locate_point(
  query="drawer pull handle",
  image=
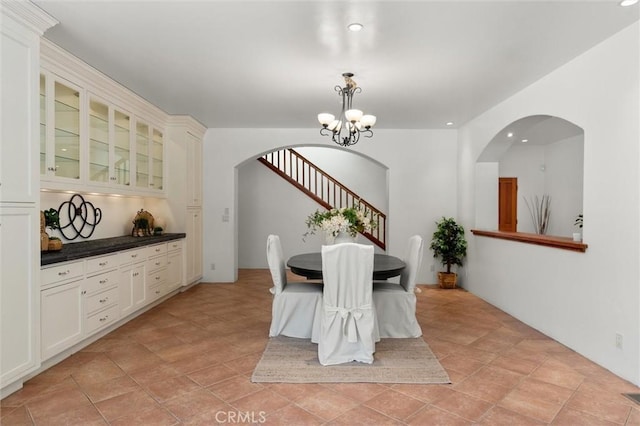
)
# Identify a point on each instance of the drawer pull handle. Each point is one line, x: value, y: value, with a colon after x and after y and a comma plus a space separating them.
x: 157, y: 291
x: 104, y: 300
x: 157, y: 278
x: 135, y: 274
x: 103, y: 319
x: 158, y: 249
x: 134, y: 255
x: 63, y: 273
x: 157, y: 263
x: 104, y: 281
x: 103, y: 263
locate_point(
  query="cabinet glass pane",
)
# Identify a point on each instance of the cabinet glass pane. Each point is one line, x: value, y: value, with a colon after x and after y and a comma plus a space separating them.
x: 122, y: 150
x: 43, y: 125
x: 157, y: 152
x: 98, y: 142
x: 142, y: 155
x: 67, y: 131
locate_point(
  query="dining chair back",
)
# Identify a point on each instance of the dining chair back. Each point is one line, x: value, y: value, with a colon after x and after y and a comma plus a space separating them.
x: 294, y: 303
x: 396, y: 304
x: 348, y: 328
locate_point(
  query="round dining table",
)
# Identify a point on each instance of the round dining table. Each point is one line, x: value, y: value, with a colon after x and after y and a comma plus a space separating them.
x: 309, y: 265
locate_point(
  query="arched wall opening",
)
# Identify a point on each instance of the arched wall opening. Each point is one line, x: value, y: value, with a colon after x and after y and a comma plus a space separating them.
x: 267, y: 204
x: 545, y: 155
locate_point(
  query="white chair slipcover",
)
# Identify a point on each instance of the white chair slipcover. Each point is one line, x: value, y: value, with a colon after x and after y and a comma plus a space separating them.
x: 348, y: 329
x: 294, y: 303
x: 396, y: 303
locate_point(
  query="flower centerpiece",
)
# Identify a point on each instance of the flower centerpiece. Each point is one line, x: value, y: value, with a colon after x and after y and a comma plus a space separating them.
x: 347, y: 220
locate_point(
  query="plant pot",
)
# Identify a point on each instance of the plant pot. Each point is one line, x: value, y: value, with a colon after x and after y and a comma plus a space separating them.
x: 446, y: 280
x: 55, y: 245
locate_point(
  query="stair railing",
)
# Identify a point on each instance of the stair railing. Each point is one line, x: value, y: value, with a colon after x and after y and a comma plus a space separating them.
x: 323, y: 188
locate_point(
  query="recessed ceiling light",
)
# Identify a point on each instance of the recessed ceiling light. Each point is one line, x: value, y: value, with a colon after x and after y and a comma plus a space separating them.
x: 449, y: 123
x: 355, y: 27
x: 525, y: 140
x: 625, y: 3
x: 510, y: 134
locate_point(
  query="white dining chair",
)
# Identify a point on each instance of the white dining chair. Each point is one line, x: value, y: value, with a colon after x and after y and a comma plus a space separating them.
x: 348, y: 330
x: 294, y: 303
x: 395, y: 304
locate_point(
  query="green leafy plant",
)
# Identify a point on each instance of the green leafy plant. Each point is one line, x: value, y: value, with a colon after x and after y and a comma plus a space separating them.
x: 448, y: 243
x: 579, y: 220
x: 52, y: 219
x: 157, y: 230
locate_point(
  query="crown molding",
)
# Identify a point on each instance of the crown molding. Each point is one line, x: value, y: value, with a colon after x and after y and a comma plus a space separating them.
x: 28, y: 14
x: 192, y: 125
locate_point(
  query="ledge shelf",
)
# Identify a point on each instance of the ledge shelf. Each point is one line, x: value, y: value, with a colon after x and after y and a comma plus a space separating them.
x: 541, y: 240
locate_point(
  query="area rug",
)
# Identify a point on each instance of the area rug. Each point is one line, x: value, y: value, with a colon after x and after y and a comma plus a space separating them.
x: 290, y: 360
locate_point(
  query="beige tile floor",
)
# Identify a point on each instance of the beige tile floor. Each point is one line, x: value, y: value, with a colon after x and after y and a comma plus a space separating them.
x: 190, y: 359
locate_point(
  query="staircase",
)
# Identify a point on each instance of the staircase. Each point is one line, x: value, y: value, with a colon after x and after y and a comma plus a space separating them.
x: 323, y: 188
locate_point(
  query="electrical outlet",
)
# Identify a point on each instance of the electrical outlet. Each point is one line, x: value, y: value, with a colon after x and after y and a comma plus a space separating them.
x: 619, y: 340
x: 213, y: 266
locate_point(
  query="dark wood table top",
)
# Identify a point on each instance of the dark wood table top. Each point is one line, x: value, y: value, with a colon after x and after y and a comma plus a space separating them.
x: 309, y: 265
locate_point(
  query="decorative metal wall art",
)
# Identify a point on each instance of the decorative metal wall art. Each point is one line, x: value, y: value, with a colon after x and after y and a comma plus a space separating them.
x: 78, y: 217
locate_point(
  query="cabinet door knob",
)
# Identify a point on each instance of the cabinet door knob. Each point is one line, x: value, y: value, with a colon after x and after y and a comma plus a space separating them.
x: 104, y: 281
x: 104, y: 300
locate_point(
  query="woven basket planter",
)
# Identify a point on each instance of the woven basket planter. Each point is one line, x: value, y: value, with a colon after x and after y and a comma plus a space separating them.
x: 447, y: 280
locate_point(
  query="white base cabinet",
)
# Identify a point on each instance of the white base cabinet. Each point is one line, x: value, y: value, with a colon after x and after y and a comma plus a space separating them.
x: 61, y: 317
x: 194, y: 245
x: 80, y: 298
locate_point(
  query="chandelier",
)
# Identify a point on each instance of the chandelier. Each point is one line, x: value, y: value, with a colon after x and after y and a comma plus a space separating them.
x: 347, y: 128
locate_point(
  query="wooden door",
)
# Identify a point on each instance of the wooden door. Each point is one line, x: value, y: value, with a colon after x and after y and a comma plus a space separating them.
x: 508, y: 204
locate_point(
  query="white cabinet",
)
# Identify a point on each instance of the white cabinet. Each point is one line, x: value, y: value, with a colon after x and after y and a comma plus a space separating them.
x: 61, y: 317
x: 60, y: 130
x: 194, y: 170
x: 149, y: 159
x: 132, y: 293
x: 19, y: 296
x: 21, y: 26
x: 156, y: 272
x: 174, y: 265
x: 110, y: 131
x: 194, y: 245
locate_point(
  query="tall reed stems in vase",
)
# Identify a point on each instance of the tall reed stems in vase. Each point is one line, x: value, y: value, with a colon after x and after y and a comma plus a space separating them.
x: 540, y: 211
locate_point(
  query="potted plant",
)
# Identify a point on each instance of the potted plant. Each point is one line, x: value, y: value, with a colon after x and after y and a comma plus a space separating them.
x: 157, y: 230
x: 52, y: 221
x: 341, y: 224
x: 577, y: 236
x: 449, y: 244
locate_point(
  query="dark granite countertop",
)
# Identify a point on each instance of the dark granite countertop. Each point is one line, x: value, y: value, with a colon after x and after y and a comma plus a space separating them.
x: 80, y: 250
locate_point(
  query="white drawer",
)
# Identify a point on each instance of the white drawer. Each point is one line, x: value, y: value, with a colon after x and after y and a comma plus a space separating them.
x: 156, y: 250
x: 133, y: 256
x: 156, y: 277
x: 157, y: 291
x: 102, y: 263
x: 101, y: 300
x: 101, y: 281
x: 156, y: 263
x: 61, y: 272
x: 101, y: 319
x: 174, y: 245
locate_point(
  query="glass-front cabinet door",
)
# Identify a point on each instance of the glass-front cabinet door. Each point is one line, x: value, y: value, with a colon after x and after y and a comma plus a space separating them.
x: 157, y: 149
x: 98, y: 141
x: 59, y: 128
x: 122, y: 148
x: 109, y: 144
x: 142, y: 155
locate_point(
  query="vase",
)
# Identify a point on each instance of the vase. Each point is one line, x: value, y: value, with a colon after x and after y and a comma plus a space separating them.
x: 344, y: 237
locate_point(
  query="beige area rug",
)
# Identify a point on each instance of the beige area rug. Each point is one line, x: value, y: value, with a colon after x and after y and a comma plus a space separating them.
x: 290, y: 360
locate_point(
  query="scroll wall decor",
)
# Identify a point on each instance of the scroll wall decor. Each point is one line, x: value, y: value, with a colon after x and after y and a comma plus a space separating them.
x: 78, y: 217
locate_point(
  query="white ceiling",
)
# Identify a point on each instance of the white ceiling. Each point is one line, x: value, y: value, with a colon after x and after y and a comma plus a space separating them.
x: 274, y: 64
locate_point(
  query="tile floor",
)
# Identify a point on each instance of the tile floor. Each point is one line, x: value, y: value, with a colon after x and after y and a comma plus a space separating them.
x: 189, y: 361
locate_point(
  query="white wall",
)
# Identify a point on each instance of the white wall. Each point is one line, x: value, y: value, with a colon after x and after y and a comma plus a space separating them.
x: 579, y: 299
x: 117, y: 213
x: 268, y: 204
x: 555, y: 169
x: 421, y: 178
